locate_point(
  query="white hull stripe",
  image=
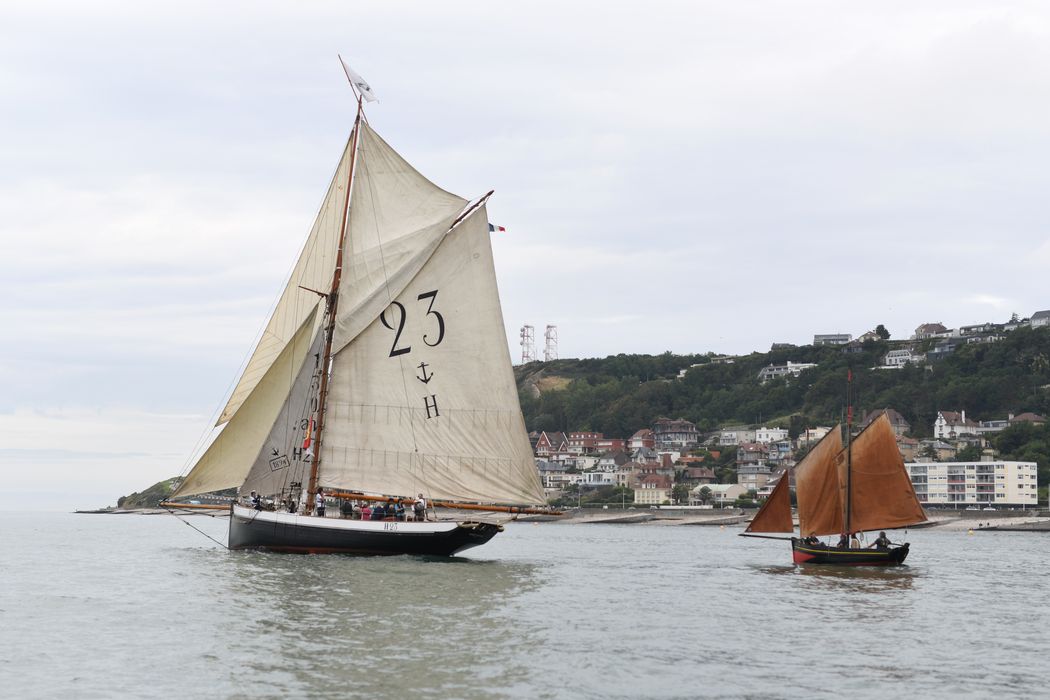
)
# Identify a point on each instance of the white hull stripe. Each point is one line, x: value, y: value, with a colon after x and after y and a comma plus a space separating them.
x: 293, y: 519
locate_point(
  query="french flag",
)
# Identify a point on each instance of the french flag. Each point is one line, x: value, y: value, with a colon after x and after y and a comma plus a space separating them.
x: 493, y: 229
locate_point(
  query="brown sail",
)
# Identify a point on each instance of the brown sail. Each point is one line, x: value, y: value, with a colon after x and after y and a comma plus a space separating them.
x: 820, y: 506
x: 775, y: 513
x: 882, y: 496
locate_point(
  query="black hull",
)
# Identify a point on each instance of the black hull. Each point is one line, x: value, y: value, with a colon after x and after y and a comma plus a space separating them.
x: 837, y: 556
x: 302, y: 534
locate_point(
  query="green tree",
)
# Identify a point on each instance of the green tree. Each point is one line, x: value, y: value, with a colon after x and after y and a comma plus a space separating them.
x: 880, y: 330
x: 680, y: 493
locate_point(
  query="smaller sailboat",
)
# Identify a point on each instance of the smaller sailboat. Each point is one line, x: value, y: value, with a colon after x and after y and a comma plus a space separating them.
x: 844, y: 492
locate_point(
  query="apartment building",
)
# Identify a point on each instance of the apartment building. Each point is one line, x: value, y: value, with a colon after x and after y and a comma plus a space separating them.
x: 981, y: 484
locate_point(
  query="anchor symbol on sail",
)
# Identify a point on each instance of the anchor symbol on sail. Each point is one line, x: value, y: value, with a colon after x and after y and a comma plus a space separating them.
x: 426, y: 377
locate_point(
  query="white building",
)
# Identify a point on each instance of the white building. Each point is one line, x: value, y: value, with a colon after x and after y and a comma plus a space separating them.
x: 899, y: 358
x: 594, y: 480
x: 791, y: 369
x: 736, y: 435
x: 768, y: 435
x: 584, y: 462
x: 811, y: 436
x: 720, y: 494
x: 981, y: 484
x: 951, y: 425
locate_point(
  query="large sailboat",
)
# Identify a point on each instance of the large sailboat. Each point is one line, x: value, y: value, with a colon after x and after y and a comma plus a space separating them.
x: 383, y: 374
x: 844, y: 492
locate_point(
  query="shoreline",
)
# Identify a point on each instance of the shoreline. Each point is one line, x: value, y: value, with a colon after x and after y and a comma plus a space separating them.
x: 954, y: 522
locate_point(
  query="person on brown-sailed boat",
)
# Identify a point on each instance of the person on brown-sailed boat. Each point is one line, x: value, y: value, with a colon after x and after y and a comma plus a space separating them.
x: 881, y: 542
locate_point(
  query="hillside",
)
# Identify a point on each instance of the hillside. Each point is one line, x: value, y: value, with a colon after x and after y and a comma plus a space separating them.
x: 151, y: 497
x: 618, y: 395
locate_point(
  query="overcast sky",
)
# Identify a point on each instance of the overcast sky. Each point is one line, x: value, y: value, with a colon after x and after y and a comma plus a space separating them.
x: 692, y: 176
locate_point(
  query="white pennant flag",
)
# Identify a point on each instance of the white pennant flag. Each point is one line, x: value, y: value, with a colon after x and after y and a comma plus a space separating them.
x: 358, y: 82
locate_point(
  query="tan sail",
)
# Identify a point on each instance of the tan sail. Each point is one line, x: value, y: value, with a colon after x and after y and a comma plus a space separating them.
x: 882, y: 493
x: 775, y: 513
x: 423, y: 399
x: 313, y: 270
x: 284, y: 459
x: 230, y: 456
x: 820, y: 506
x: 397, y: 219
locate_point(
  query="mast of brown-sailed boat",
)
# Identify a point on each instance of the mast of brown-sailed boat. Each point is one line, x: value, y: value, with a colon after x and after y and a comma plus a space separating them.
x: 331, y: 303
x: 849, y: 449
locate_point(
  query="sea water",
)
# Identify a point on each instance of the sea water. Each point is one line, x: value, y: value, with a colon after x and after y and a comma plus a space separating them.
x: 99, y: 606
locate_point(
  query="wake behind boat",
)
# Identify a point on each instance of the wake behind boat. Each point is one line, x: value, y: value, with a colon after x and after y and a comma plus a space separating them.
x: 844, y: 492
x: 382, y: 374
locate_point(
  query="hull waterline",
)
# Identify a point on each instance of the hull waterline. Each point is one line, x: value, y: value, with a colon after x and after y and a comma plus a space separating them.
x: 838, y: 556
x: 304, y: 534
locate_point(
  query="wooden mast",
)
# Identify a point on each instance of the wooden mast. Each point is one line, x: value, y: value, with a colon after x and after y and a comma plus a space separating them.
x: 849, y: 450
x: 331, y: 304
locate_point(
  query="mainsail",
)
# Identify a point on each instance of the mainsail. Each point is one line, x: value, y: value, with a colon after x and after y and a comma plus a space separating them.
x: 820, y: 510
x: 231, y: 454
x: 421, y: 396
x: 775, y: 513
x: 882, y: 496
x: 424, y: 399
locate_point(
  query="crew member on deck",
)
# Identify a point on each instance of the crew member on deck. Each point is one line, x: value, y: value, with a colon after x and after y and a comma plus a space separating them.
x: 881, y: 542
x: 319, y: 502
x: 843, y: 542
x: 419, y: 509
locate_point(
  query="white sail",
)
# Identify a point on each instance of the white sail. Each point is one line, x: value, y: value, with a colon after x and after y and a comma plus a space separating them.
x: 397, y: 218
x: 230, y: 456
x: 423, y: 399
x: 283, y: 464
x: 314, y: 270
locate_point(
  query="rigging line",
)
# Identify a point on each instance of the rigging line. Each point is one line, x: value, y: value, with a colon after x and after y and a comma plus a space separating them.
x: 173, y: 513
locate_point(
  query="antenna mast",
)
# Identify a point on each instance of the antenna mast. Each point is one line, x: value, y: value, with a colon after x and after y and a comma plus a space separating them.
x: 528, y: 344
x: 550, y: 350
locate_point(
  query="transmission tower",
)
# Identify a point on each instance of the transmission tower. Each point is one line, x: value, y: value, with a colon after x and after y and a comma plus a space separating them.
x: 528, y: 344
x: 550, y: 350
